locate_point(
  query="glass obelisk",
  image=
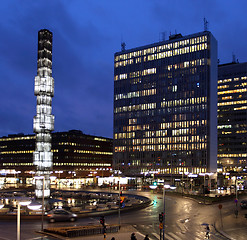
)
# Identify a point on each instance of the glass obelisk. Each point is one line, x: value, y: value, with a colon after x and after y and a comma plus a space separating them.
x: 43, y: 122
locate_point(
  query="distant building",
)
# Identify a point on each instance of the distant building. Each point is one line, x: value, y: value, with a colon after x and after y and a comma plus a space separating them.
x: 74, y: 153
x: 165, y: 106
x: 232, y: 116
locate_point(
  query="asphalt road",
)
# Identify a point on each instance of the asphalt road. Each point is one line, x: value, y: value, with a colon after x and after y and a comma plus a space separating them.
x: 185, y: 219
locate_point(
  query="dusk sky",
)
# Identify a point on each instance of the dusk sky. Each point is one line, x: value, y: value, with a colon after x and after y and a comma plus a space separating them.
x: 86, y: 34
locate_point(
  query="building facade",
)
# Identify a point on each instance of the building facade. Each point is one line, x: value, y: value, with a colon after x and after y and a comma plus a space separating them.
x: 74, y: 153
x: 165, y: 106
x: 232, y: 116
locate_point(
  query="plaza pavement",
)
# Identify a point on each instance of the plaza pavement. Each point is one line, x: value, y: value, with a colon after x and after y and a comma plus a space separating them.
x: 232, y: 227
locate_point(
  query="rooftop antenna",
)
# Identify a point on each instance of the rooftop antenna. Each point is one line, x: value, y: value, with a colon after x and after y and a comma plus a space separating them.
x: 233, y: 58
x: 205, y: 24
x: 162, y: 36
x: 123, y: 45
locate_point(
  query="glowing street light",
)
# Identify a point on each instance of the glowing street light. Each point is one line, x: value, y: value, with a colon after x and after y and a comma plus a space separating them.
x: 34, y: 205
x: 20, y: 202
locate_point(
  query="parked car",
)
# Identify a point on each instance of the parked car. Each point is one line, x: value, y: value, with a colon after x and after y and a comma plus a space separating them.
x: 243, y: 204
x: 57, y: 215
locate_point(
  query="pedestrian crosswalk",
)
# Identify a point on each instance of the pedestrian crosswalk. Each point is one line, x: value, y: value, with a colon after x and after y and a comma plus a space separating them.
x: 175, y: 235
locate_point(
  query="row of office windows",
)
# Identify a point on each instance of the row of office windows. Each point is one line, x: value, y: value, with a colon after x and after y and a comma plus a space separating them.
x: 162, y: 147
x: 17, y: 138
x: 147, y: 106
x: 233, y: 91
x: 161, y: 48
x: 78, y: 144
x: 135, y: 74
x: 182, y: 102
x: 142, y: 93
x: 184, y: 126
x: 243, y: 84
x: 60, y: 164
x: 166, y: 54
x: 182, y: 65
x: 230, y: 79
x: 232, y: 103
x: 165, y: 140
x: 131, y: 108
x: 92, y: 152
x: 23, y: 152
x: 233, y: 155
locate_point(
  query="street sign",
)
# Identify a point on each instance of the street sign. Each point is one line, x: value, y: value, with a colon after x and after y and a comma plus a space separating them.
x: 161, y: 226
x: 122, y: 198
x: 220, y: 206
x: 236, y: 200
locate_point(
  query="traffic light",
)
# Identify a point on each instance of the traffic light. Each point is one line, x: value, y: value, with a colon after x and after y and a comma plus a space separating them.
x: 121, y: 193
x: 102, y: 220
x: 161, y: 215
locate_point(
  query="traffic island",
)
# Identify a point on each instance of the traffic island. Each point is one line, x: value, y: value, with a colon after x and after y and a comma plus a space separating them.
x: 81, y: 230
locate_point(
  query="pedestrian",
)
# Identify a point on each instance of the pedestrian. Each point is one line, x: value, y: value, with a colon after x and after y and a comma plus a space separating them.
x: 133, y: 236
x: 146, y: 238
x: 207, y: 232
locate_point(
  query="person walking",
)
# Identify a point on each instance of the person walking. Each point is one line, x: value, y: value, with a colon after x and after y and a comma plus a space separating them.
x: 133, y: 236
x: 207, y: 232
x: 146, y: 238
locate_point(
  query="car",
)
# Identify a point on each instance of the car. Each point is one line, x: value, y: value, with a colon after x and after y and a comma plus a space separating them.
x: 58, y: 215
x: 243, y: 204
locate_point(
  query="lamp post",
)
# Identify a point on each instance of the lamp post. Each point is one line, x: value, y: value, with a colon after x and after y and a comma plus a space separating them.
x: 21, y: 202
x: 119, y: 201
x: 164, y: 209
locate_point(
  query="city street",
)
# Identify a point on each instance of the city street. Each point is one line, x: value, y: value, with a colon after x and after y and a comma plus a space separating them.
x: 185, y: 219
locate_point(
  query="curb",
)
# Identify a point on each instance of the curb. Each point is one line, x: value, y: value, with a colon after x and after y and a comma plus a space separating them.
x: 222, y: 233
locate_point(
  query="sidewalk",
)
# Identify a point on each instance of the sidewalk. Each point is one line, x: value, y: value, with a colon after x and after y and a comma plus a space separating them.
x: 233, y: 228
x: 123, y: 234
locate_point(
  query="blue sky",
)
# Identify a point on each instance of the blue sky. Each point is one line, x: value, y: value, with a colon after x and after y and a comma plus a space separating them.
x: 86, y: 34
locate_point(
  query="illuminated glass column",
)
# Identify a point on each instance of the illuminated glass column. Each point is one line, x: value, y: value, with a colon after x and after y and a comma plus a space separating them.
x: 43, y: 122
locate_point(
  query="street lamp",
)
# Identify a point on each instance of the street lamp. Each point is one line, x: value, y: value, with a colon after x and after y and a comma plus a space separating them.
x: 119, y: 201
x: 34, y: 205
x: 164, y: 210
x: 21, y: 202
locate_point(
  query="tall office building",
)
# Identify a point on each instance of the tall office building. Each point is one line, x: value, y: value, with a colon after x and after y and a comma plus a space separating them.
x: 43, y: 122
x: 232, y: 116
x: 165, y: 106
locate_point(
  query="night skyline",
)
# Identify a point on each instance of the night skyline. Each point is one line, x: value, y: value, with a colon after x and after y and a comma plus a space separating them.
x: 85, y: 37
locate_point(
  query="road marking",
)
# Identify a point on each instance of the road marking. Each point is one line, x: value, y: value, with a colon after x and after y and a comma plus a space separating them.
x: 156, y: 235
x: 174, y: 236
x: 167, y: 237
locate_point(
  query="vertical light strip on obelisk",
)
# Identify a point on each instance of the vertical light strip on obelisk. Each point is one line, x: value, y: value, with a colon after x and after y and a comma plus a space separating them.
x: 43, y: 122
